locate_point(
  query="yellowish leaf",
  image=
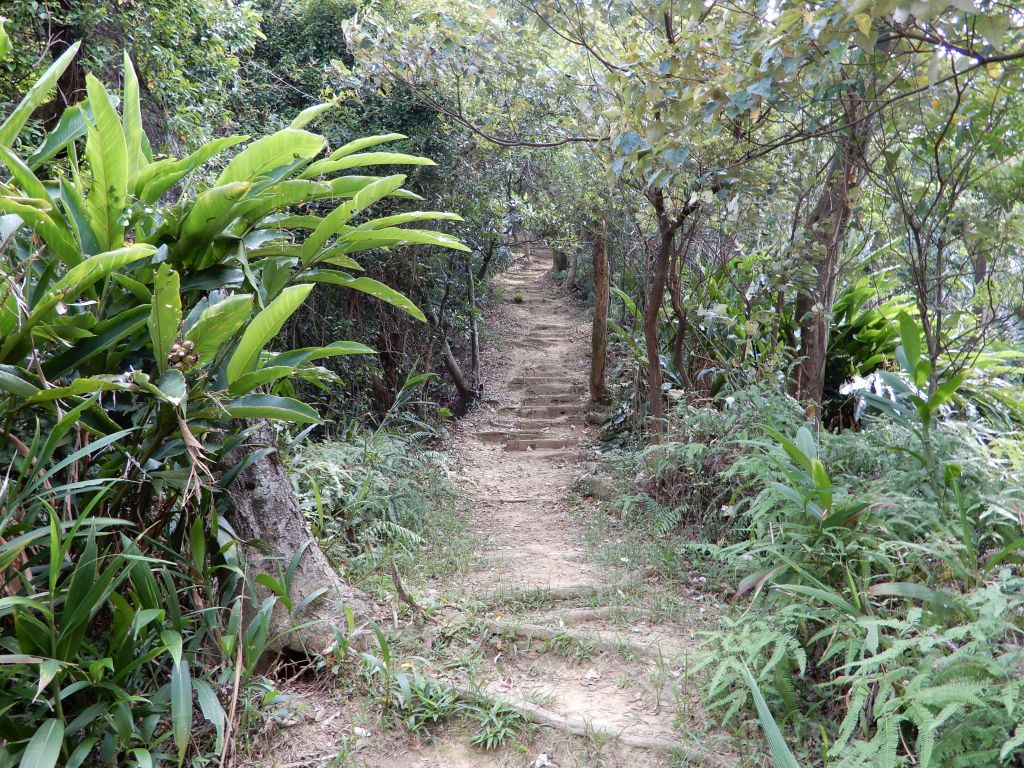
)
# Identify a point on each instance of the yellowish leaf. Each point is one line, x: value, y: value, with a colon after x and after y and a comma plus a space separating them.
x: 863, y: 23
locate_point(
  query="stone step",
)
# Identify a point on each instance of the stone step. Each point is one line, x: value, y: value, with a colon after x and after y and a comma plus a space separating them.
x: 497, y: 437
x: 551, y: 399
x: 555, y: 389
x: 548, y: 411
x: 541, y: 443
x: 539, y: 425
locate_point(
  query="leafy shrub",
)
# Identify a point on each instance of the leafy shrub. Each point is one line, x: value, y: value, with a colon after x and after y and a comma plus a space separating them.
x: 134, y: 332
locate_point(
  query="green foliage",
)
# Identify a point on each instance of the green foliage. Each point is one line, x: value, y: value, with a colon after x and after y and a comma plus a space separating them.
x: 370, y: 496
x: 881, y: 596
x: 134, y: 330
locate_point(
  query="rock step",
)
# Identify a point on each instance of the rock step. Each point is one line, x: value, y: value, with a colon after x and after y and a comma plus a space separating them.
x: 558, y: 390
x: 519, y: 444
x: 540, y: 425
x: 558, y: 377
x: 497, y: 437
x: 550, y: 399
x: 547, y: 411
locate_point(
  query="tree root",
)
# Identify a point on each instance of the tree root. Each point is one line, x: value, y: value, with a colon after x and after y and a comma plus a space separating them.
x: 579, y: 727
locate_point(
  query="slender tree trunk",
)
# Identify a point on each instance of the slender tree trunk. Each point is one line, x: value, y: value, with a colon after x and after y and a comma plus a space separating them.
x: 652, y: 309
x: 467, y: 392
x: 474, y: 335
x: 492, y: 246
x: 828, y: 224
x: 273, y: 530
x: 599, y: 332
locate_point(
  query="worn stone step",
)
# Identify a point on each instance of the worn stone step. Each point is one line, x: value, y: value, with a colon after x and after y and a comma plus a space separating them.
x: 547, y: 411
x: 541, y: 443
x: 555, y: 389
x: 497, y: 437
x: 551, y: 399
x: 540, y: 425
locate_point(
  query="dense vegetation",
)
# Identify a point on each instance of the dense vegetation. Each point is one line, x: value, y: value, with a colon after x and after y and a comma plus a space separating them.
x: 800, y: 226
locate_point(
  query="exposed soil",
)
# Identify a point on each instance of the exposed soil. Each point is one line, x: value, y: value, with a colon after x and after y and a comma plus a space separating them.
x: 534, y: 621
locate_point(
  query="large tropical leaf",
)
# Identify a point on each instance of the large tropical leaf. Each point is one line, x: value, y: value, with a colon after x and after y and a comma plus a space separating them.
x: 369, y: 286
x: 270, y: 153
x: 272, y: 407
x: 135, y: 137
x: 358, y: 145
x: 155, y: 179
x: 43, y: 748
x: 263, y: 328
x: 361, y: 159
x: 108, y: 161
x: 37, y: 95
x: 165, y: 315
x: 218, y: 323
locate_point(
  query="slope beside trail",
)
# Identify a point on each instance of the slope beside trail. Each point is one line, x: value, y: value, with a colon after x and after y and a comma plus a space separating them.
x: 597, y: 659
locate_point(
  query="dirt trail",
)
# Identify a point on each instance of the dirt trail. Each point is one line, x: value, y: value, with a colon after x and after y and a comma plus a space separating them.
x: 608, y: 670
x: 577, y: 646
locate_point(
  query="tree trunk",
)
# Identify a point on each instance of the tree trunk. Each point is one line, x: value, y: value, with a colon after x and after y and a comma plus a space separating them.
x: 267, y: 520
x: 474, y: 335
x: 828, y: 224
x: 467, y: 392
x: 574, y: 263
x: 599, y: 332
x: 559, y: 262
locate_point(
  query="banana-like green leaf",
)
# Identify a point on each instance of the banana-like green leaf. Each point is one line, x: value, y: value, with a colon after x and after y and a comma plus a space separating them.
x: 370, y: 286
x: 272, y: 407
x: 209, y: 216
x: 74, y: 212
x: 280, y: 196
x: 357, y: 240
x: 11, y: 381
x: 97, y: 267
x: 347, y: 186
x: 309, y: 114
x: 263, y: 328
x: 73, y: 283
x: 270, y: 153
x: 340, y: 216
x: 358, y: 145
x: 134, y: 136
x: 71, y: 126
x: 405, y: 218
x: 219, y: 323
x: 78, y: 387
x: 40, y: 91
x: 43, y: 748
x: 105, y: 337
x: 362, y: 159
x: 165, y: 315
x: 47, y: 223
x: 259, y: 377
x: 107, y: 154
x: 297, y: 357
x: 155, y: 179
x: 181, y: 707
x: 5, y: 41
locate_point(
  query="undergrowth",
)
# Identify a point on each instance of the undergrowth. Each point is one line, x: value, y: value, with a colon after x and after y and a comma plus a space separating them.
x: 381, y: 496
x: 876, y: 575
